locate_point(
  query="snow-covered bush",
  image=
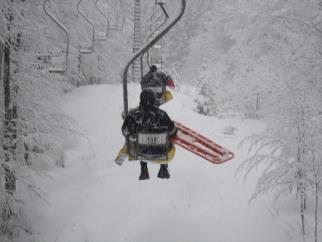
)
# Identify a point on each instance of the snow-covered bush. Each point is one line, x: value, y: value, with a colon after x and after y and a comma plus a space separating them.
x: 205, y: 101
x: 289, y: 148
x: 32, y: 126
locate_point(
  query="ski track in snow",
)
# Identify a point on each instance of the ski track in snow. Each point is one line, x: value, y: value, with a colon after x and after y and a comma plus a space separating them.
x: 93, y: 199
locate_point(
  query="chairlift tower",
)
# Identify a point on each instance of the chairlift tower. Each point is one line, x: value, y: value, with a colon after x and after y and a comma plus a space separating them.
x: 136, y: 69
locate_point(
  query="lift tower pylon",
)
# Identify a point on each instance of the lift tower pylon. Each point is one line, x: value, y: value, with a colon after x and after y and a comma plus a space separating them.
x: 136, y: 69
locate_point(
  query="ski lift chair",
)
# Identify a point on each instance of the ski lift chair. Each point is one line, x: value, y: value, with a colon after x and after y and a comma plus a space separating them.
x: 102, y: 35
x: 145, y: 142
x: 86, y: 47
x: 150, y: 144
x: 155, y: 57
x: 144, y: 50
x: 157, y: 61
x: 58, y: 64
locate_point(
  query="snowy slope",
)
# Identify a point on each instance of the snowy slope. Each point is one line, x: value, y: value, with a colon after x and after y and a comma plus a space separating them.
x: 93, y: 199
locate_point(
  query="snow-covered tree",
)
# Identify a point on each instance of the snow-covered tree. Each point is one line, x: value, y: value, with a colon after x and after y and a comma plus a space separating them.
x: 284, y: 58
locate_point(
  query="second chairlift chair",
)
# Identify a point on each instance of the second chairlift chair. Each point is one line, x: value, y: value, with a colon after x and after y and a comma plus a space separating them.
x: 186, y: 138
x: 154, y: 54
x: 85, y: 46
x: 58, y: 64
x: 102, y: 35
x: 119, y: 25
x: 162, y: 136
x: 154, y: 30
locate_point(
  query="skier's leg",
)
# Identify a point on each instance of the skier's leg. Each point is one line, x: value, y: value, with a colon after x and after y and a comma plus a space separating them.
x: 144, y: 171
x: 164, y: 172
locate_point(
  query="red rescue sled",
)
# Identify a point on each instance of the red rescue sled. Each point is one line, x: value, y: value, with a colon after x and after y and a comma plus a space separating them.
x: 201, y: 146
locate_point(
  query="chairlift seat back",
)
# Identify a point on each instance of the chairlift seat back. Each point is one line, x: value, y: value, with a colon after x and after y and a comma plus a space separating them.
x: 86, y: 47
x: 156, y: 60
x: 150, y: 144
x: 155, y: 51
x: 153, y: 145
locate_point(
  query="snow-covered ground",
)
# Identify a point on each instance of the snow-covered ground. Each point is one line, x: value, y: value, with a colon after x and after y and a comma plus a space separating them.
x: 93, y: 199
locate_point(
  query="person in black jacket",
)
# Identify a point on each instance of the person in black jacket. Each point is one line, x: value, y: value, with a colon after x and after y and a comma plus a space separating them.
x: 154, y: 78
x: 157, y: 81
x: 148, y: 116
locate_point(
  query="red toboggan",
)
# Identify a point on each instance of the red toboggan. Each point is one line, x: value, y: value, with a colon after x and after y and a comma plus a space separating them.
x: 201, y: 146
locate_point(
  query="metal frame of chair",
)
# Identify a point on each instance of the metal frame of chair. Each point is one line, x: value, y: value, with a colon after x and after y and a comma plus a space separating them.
x: 143, y: 49
x: 84, y: 49
x: 103, y: 35
x: 60, y: 66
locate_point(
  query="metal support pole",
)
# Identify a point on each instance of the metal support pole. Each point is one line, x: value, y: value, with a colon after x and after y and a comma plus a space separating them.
x: 144, y: 49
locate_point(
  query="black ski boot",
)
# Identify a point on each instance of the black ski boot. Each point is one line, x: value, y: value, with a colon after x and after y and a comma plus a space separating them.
x: 144, y: 171
x: 163, y: 172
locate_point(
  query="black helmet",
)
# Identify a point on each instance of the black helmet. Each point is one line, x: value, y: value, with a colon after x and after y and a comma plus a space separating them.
x: 147, y: 98
x: 153, y: 68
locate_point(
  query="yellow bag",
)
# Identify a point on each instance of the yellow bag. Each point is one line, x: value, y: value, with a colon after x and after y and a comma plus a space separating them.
x: 167, y: 96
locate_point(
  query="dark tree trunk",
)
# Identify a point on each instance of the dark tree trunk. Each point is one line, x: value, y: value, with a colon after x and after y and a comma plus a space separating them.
x: 316, y: 218
x: 1, y: 62
x: 9, y: 131
x: 10, y: 87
